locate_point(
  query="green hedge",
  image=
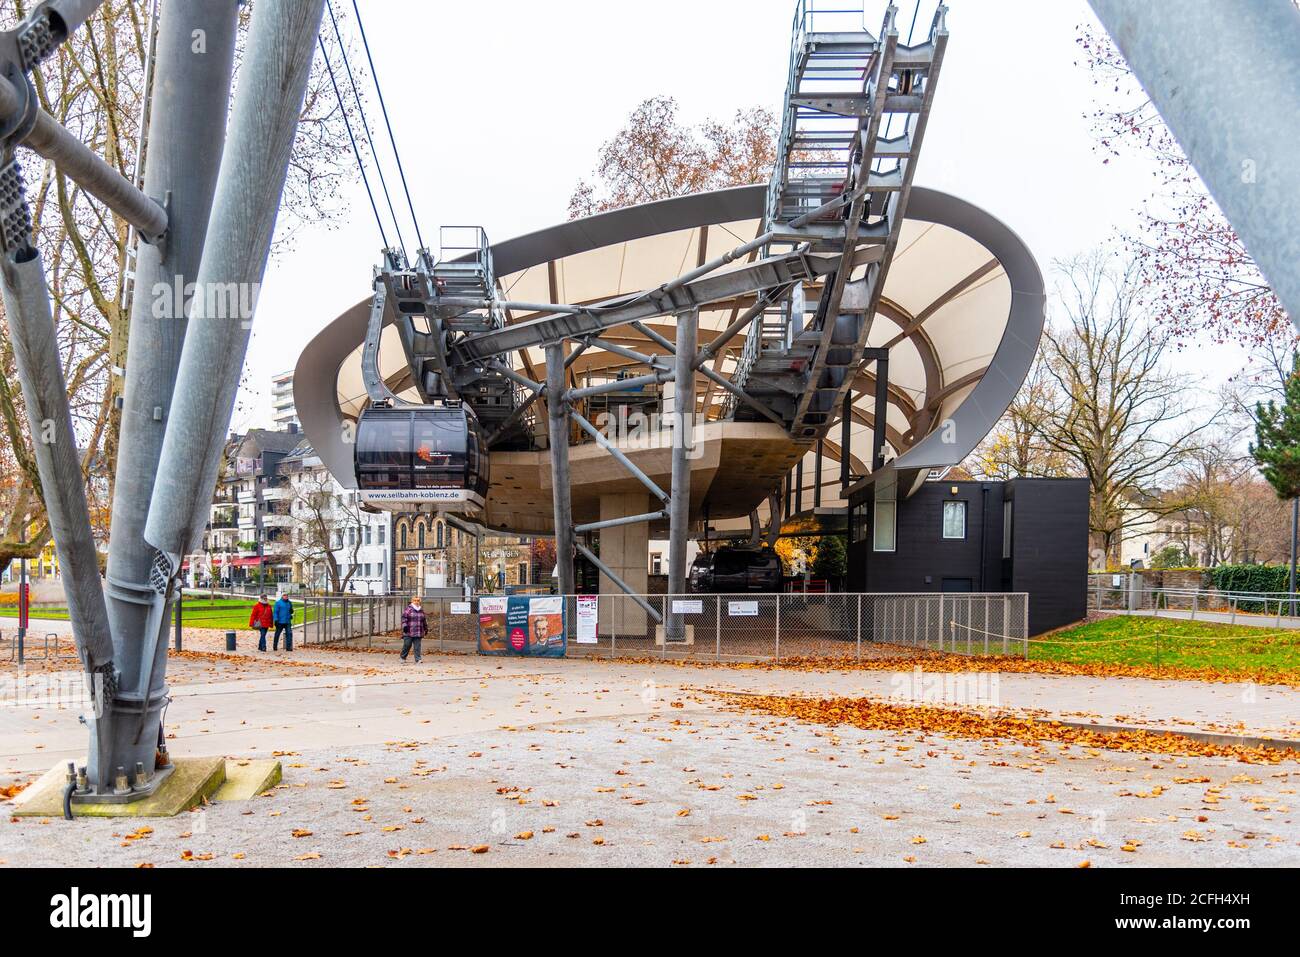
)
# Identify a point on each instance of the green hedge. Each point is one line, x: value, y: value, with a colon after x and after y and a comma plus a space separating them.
x: 1251, y: 578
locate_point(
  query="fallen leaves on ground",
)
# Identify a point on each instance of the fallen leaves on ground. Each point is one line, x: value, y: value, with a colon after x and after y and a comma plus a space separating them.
x: 882, y: 716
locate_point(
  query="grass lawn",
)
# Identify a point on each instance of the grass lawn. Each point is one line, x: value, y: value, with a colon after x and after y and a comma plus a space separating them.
x: 199, y: 612
x: 1171, y: 643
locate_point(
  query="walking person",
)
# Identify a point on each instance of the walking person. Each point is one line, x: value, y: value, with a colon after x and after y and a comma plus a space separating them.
x: 415, y: 625
x: 283, y: 615
x: 260, y: 619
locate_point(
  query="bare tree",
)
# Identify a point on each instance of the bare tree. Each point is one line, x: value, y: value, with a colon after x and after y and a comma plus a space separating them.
x: 656, y: 157
x: 324, y: 517
x: 1016, y: 447
x: 1118, y: 415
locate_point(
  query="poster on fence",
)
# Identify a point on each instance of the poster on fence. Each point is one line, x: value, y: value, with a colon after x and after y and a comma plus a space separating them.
x: 492, y: 627
x: 530, y: 626
x: 588, y: 609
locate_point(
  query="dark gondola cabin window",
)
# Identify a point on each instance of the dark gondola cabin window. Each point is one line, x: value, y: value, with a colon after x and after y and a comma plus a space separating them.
x: 383, y: 456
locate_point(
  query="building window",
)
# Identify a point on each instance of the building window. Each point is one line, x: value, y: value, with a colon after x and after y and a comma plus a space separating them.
x: 379, y: 570
x: 366, y: 573
x: 523, y: 573
x: 1006, y: 530
x: 420, y: 534
x: 381, y: 534
x: 368, y: 533
x: 954, y: 519
x: 861, y: 526
x: 885, y: 528
x: 656, y: 564
x: 439, y: 534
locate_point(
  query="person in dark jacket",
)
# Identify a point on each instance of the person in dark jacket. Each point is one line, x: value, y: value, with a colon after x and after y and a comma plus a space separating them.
x: 415, y: 625
x: 283, y: 615
x: 261, y: 620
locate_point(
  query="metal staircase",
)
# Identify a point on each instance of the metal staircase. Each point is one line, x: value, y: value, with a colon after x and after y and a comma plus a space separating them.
x: 855, y: 114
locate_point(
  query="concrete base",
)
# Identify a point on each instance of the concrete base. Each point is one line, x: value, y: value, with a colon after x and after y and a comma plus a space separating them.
x: 690, y: 637
x: 246, y: 778
x: 194, y: 781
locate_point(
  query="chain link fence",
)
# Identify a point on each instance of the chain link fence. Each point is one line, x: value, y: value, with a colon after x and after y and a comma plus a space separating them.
x: 748, y: 627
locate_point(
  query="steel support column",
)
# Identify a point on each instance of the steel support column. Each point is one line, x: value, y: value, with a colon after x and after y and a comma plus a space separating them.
x: 186, y: 132
x: 881, y: 412
x: 679, y: 508
x: 54, y: 445
x: 264, y: 121
x: 557, y: 417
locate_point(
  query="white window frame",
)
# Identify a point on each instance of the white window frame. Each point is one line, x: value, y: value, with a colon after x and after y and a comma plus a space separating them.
x: 959, y: 504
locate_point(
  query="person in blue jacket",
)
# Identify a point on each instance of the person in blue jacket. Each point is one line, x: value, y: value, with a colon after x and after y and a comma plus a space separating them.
x: 282, y: 613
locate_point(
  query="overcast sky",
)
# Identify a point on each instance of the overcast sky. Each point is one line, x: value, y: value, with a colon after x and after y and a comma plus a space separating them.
x: 500, y: 106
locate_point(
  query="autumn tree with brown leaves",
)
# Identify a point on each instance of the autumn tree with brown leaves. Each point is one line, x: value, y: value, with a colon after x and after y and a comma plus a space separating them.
x: 655, y: 156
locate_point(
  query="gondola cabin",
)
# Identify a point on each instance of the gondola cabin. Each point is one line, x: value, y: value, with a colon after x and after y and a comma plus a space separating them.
x: 421, y: 458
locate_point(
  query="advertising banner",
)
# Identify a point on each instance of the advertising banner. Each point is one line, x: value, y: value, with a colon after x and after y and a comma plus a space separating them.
x: 588, y: 609
x: 492, y: 627
x: 531, y: 626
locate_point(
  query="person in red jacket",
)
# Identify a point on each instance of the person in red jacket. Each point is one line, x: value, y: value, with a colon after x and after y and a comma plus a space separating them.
x: 261, y: 620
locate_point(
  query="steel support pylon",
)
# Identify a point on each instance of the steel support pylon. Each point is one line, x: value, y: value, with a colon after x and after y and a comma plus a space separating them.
x: 679, y: 506
x: 558, y: 436
x: 186, y: 130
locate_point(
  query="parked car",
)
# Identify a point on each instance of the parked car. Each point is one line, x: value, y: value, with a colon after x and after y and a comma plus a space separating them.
x: 732, y: 570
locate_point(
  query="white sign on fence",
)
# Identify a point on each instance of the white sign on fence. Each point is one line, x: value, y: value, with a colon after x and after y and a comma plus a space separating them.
x: 460, y: 608
x: 492, y: 606
x: 742, y: 609
x: 688, y: 607
x: 588, y: 607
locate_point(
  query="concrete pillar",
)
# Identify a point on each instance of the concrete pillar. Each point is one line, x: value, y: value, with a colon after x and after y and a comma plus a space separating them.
x: 626, y: 550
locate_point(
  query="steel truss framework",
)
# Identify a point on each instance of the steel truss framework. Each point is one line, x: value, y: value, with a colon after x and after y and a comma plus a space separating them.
x: 835, y: 211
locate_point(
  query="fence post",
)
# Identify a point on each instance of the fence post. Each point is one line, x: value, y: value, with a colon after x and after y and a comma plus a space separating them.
x: 1232, y: 603
x: 663, y: 624
x: 1006, y: 626
x: 859, y: 656
x: 1196, y: 601
x: 778, y: 629
x: 717, y: 627
x: 943, y: 621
